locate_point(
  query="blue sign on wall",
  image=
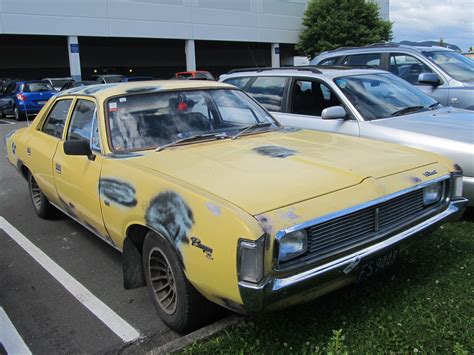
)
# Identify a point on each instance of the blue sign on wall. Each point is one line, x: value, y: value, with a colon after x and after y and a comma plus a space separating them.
x: 74, y: 47
x: 277, y: 50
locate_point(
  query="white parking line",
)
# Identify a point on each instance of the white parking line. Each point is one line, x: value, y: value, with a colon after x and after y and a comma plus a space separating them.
x: 111, y: 319
x: 10, y: 338
x: 6, y: 122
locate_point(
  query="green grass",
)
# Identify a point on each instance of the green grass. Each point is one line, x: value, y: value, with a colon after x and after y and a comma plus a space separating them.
x: 424, y: 303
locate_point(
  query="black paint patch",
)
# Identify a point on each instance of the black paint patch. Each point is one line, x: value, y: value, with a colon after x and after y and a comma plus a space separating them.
x: 69, y: 209
x: 96, y: 88
x: 169, y: 213
x: 274, y: 151
x: 118, y: 191
x: 143, y: 89
x: 13, y: 148
x: 290, y: 129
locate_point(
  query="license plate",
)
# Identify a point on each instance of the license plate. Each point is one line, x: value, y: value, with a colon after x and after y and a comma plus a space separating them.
x: 41, y: 102
x: 378, y: 264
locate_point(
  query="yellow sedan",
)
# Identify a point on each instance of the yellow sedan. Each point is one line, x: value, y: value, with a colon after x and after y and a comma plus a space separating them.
x: 212, y: 201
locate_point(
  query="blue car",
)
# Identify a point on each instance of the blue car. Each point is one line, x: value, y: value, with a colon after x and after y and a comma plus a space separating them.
x: 25, y: 98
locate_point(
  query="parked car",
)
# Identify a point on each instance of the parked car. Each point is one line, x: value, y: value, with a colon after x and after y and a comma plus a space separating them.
x: 58, y: 83
x: 107, y: 78
x: 75, y: 84
x: 365, y: 103
x: 137, y: 78
x: 25, y: 98
x: 440, y: 72
x: 197, y: 74
x: 210, y: 199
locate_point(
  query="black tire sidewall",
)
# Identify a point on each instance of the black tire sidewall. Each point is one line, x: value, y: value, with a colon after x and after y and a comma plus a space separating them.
x: 43, y: 211
x: 185, y: 317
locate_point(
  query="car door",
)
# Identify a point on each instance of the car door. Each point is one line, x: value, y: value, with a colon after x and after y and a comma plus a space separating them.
x: 42, y: 145
x: 409, y: 67
x: 7, y: 98
x: 77, y: 176
x: 306, y: 101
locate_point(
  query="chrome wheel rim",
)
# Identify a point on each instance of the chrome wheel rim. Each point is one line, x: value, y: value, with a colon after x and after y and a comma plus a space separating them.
x: 36, y: 194
x: 162, y: 281
x: 17, y: 113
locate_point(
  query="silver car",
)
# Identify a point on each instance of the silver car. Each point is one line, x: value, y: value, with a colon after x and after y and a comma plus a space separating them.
x: 366, y: 103
x: 441, y: 73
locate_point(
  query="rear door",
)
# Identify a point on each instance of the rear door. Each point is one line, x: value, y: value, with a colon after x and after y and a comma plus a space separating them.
x: 77, y: 177
x: 42, y: 146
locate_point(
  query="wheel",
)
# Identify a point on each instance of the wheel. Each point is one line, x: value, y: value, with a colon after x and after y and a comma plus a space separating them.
x: 42, y: 207
x: 17, y: 113
x: 177, y: 302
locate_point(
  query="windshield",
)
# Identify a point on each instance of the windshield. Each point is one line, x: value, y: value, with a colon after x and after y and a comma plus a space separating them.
x: 37, y: 87
x: 114, y: 78
x: 59, y: 83
x: 147, y: 121
x: 378, y: 96
x: 455, y: 64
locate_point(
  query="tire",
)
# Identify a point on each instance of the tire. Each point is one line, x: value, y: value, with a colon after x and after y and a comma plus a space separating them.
x: 178, y: 303
x: 40, y: 203
x: 2, y: 114
x: 17, y: 113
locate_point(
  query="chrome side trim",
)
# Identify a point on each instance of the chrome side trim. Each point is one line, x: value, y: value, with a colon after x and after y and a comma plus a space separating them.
x: 86, y: 227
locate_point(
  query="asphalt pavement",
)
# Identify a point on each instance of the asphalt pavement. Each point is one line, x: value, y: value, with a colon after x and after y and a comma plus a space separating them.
x: 61, y: 287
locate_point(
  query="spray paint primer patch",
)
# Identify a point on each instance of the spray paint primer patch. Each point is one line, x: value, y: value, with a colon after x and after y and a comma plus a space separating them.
x: 274, y: 151
x: 118, y: 191
x: 168, y: 212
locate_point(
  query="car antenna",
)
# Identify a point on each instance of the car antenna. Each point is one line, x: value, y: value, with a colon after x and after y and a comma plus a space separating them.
x: 27, y: 117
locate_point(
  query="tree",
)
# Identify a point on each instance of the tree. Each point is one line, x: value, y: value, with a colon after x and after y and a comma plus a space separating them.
x: 329, y: 24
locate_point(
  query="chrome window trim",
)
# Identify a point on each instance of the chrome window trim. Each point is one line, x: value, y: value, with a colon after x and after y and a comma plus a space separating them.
x: 313, y: 222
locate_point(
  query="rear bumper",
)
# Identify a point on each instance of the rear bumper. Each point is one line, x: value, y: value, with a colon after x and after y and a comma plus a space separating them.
x: 278, y: 292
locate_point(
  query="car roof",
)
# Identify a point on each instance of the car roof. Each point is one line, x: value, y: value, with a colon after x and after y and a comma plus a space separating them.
x: 103, y: 91
x: 381, y: 48
x: 309, y: 71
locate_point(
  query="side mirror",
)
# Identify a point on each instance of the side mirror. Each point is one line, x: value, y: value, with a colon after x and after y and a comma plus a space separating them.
x: 334, y: 113
x: 78, y: 147
x: 428, y: 78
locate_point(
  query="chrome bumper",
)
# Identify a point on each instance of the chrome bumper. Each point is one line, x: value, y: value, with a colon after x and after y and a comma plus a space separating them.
x: 468, y: 189
x: 277, y: 292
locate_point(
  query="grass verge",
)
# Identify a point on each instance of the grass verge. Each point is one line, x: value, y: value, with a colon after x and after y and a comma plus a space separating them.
x: 424, y: 303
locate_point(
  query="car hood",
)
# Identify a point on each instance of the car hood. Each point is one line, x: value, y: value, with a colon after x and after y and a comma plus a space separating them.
x: 267, y: 171
x: 449, y: 123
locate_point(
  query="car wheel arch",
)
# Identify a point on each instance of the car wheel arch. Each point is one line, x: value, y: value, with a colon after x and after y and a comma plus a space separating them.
x: 132, y: 253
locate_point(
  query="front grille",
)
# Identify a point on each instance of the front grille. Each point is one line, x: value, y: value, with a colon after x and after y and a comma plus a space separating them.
x: 345, y: 233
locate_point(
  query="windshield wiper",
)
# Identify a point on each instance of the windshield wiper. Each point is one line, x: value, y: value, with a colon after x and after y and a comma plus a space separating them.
x: 250, y: 128
x: 190, y: 139
x: 433, y: 106
x: 407, y: 110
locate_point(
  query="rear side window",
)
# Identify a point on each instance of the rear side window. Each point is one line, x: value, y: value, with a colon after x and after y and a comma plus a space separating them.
x: 268, y: 91
x: 37, y: 87
x: 56, y: 120
x: 329, y: 61
x: 81, y: 121
x: 239, y: 82
x: 370, y: 59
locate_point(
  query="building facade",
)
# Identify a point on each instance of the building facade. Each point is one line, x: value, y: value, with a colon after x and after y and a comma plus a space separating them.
x: 145, y: 36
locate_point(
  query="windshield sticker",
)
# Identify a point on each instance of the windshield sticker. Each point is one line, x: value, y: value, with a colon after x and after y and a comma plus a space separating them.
x: 122, y: 99
x: 113, y: 107
x: 275, y: 151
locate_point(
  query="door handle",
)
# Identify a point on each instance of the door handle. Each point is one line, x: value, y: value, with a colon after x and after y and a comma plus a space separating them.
x: 58, y: 168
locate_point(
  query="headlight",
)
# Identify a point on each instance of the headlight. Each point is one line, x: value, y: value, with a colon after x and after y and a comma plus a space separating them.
x: 250, y: 260
x: 292, y: 245
x: 457, y: 186
x: 432, y: 193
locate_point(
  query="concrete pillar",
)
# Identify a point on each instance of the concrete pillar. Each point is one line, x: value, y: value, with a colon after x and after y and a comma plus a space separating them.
x: 275, y: 55
x: 190, y: 55
x: 74, y: 57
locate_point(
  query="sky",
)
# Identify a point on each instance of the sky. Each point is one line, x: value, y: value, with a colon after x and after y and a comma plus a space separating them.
x: 419, y: 20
